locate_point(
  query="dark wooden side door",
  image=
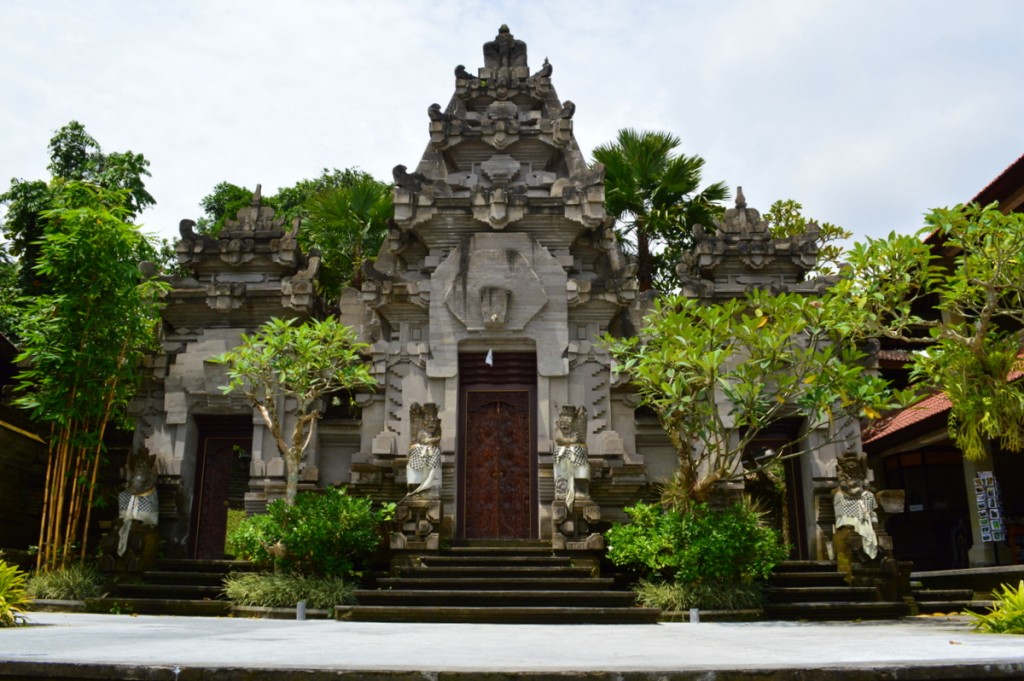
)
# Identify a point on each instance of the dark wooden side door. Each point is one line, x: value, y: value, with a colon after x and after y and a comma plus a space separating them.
x: 497, y: 485
x: 222, y: 472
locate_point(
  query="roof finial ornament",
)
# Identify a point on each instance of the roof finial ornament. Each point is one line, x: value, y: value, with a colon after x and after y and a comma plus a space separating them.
x: 741, y: 201
x: 504, y: 50
x: 257, y: 195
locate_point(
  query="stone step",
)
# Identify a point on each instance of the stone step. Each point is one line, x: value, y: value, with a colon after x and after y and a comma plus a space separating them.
x: 471, y: 571
x: 820, y: 594
x: 167, y: 591
x: 875, y: 610
x: 832, y: 578
x: 805, y: 566
x: 202, y: 565
x: 509, y: 615
x: 494, y: 598
x: 496, y: 560
x: 942, y: 594
x: 184, y: 577
x: 505, y: 583
x: 159, y: 606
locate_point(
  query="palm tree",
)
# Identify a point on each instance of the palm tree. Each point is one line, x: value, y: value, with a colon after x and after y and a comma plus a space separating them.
x: 347, y: 224
x: 652, y: 193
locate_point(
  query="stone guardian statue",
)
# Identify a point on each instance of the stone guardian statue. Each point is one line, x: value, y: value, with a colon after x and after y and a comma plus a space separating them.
x: 571, y: 468
x: 424, y: 466
x: 855, y: 513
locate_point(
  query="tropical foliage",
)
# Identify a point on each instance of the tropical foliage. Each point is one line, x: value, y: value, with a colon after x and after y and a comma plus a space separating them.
x: 686, y: 555
x: 786, y: 219
x: 75, y: 156
x: 83, y: 340
x: 343, y: 216
x: 719, y: 375
x: 654, y: 194
x: 285, y: 362
x: 963, y: 311
x: 326, y: 533
x: 1007, y: 616
x: 14, y: 599
x: 269, y: 590
x: 72, y: 583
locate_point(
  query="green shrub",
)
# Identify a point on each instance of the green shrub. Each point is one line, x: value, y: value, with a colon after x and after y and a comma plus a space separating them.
x: 235, y: 518
x: 678, y: 597
x: 72, y: 583
x: 697, y: 546
x: 14, y: 599
x: 326, y: 533
x: 284, y: 591
x: 1007, y: 617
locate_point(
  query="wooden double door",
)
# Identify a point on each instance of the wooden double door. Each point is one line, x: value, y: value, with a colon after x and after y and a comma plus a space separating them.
x: 497, y: 457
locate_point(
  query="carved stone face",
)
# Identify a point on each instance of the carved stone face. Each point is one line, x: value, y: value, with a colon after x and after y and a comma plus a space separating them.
x: 565, y: 422
x: 142, y: 473
x: 851, y: 477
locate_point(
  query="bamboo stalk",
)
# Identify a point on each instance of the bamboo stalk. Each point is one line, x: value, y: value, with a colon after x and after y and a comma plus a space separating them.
x: 46, y: 499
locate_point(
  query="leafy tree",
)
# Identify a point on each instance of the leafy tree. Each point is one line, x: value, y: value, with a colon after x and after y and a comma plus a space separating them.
x: 785, y: 219
x: 83, y: 339
x: 344, y: 216
x: 653, y: 194
x: 963, y: 309
x: 720, y: 375
x: 221, y: 205
x: 301, y: 364
x: 74, y: 156
x: 10, y: 309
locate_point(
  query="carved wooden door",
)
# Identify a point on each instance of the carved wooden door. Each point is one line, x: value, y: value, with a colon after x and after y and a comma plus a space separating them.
x: 222, y: 473
x: 498, y: 464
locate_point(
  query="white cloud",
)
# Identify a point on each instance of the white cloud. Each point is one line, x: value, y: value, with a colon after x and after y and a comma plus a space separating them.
x: 868, y: 113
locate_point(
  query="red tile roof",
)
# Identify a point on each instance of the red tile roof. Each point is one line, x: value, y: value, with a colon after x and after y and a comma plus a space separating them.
x: 926, y: 408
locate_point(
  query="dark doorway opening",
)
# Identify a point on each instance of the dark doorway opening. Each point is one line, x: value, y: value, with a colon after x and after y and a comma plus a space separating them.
x: 497, y: 451
x: 222, y: 478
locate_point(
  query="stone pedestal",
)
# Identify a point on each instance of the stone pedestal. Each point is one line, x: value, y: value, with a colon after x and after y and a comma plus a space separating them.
x: 573, y: 530
x: 417, y: 523
x: 140, y: 554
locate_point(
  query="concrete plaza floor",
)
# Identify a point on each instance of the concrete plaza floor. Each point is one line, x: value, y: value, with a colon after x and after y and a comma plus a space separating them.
x: 79, y: 646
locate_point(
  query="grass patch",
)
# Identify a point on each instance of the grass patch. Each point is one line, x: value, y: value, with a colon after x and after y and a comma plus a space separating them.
x: 71, y: 583
x: 285, y: 590
x: 678, y: 597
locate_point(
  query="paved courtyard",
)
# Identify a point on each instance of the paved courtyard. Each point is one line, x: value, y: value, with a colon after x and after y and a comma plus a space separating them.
x: 72, y: 646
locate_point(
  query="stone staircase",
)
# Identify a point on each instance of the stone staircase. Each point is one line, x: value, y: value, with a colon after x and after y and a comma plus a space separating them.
x: 815, y: 590
x: 176, y: 587
x: 510, y: 583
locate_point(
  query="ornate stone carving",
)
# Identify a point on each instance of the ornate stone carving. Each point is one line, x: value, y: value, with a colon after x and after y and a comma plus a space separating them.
x: 133, y: 542
x: 504, y: 51
x: 571, y: 468
x: 424, y: 466
x: 855, y: 517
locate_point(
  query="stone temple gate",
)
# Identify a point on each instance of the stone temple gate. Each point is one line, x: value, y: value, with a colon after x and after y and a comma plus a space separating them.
x: 497, y: 415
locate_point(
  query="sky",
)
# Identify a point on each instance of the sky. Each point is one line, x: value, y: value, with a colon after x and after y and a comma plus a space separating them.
x: 868, y: 113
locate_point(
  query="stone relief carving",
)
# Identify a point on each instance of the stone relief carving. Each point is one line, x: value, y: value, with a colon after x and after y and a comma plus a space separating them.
x: 571, y: 468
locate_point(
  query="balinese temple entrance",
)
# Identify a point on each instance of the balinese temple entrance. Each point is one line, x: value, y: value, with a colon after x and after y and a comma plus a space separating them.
x: 222, y: 479
x: 497, y: 453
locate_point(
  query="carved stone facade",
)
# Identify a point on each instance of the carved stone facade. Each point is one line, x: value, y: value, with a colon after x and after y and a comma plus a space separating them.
x: 499, y: 248
x: 252, y: 271
x: 483, y: 313
x: 740, y: 255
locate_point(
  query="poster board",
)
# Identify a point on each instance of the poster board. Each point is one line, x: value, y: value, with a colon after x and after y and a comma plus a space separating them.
x: 990, y: 507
